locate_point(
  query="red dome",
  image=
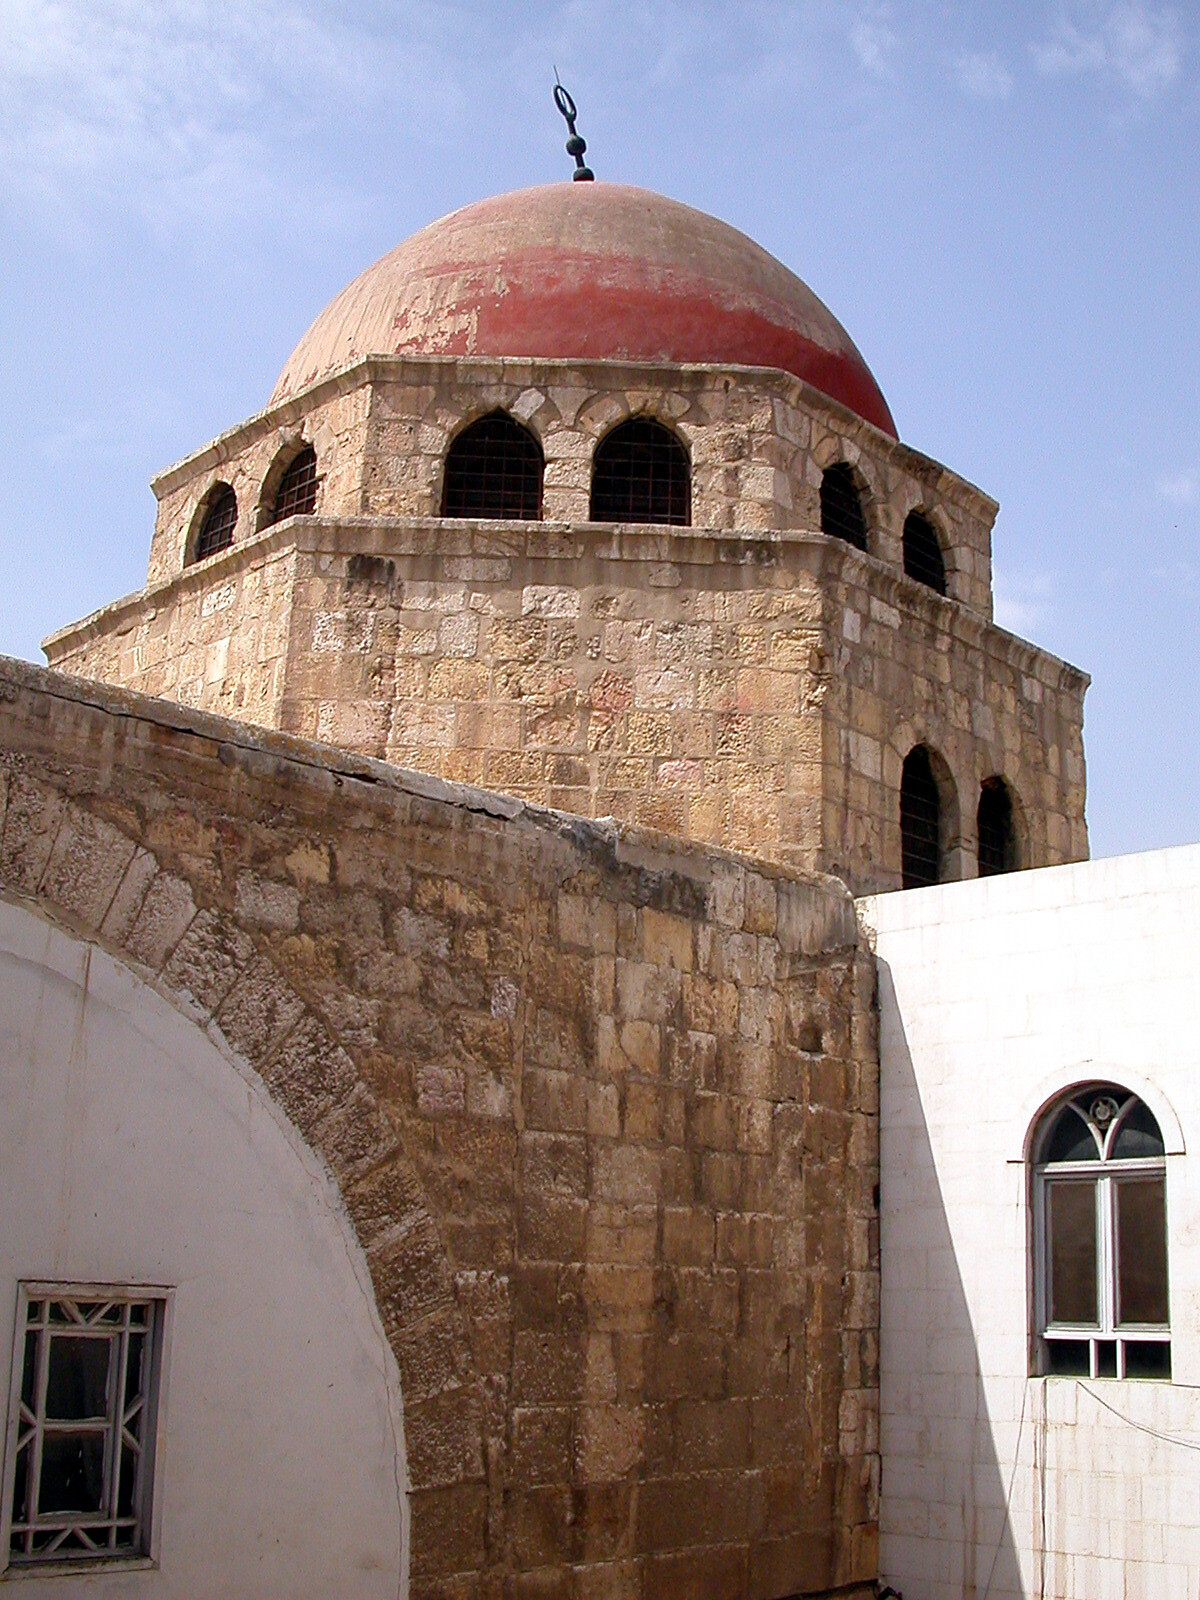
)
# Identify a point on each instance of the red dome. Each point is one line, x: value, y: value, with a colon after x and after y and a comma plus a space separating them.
x: 587, y: 272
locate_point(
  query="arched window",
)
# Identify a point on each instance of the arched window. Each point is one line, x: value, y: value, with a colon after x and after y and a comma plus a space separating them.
x: 923, y: 552
x: 217, y: 522
x: 997, y: 832
x: 920, y: 821
x: 296, y: 495
x: 641, y: 473
x: 841, y: 506
x: 1100, y: 1237
x: 494, y: 469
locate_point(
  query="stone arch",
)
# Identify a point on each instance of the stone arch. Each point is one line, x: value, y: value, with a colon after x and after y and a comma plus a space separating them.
x: 82, y: 870
x: 922, y: 516
x: 219, y: 488
x: 291, y: 446
x: 956, y: 848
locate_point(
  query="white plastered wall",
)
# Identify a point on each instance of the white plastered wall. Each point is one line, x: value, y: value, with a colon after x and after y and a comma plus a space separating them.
x: 133, y: 1150
x: 994, y: 995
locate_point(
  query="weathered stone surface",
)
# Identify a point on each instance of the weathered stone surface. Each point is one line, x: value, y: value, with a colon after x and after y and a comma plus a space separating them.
x: 746, y: 681
x: 600, y: 1106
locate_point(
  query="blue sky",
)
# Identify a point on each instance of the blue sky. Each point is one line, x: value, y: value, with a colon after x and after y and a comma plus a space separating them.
x: 1000, y: 201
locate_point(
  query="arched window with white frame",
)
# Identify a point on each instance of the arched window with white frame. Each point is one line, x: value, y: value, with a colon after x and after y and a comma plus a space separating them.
x: 1100, y: 1237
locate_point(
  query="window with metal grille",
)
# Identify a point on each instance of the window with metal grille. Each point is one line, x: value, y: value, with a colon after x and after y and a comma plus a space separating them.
x: 494, y: 468
x: 83, y: 1410
x: 997, y: 835
x: 1100, y: 1238
x: 920, y: 821
x: 297, y: 492
x: 923, y: 552
x: 641, y: 473
x: 841, y: 506
x: 217, y: 522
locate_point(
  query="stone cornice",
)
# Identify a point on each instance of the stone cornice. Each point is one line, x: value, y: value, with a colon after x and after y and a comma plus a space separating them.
x: 436, y: 537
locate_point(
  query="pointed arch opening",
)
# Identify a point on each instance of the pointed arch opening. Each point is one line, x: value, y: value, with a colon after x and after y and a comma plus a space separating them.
x: 495, y: 469
x: 923, y: 558
x: 996, y: 827
x: 842, y: 515
x: 641, y: 472
x: 216, y: 521
x: 296, y: 493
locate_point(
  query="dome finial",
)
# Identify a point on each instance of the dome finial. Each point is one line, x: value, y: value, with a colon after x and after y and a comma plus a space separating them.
x: 576, y: 144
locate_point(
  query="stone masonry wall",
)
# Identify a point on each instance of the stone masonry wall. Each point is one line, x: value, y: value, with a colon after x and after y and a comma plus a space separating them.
x: 759, y: 442
x: 601, y: 1106
x: 760, y: 692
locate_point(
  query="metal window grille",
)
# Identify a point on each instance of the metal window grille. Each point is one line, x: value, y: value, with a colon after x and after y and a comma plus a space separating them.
x: 920, y: 821
x: 997, y: 838
x: 297, y: 492
x: 494, y: 468
x: 923, y: 552
x: 216, y: 530
x: 841, y: 507
x: 1100, y: 1259
x: 82, y: 1423
x: 641, y: 473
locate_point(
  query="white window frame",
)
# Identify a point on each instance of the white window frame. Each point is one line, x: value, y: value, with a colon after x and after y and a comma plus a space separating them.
x: 143, y: 1552
x: 1103, y: 1174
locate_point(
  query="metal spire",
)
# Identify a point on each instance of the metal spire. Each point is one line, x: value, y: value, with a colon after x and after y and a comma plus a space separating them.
x: 576, y: 144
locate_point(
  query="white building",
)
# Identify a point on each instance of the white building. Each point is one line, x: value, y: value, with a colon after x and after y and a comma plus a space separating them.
x: 1002, y: 1000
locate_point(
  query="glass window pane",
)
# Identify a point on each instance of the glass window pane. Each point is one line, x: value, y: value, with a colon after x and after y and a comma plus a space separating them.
x: 72, y: 1473
x: 1141, y: 1250
x: 1137, y: 1136
x: 1143, y: 1360
x: 1071, y: 1139
x: 77, y: 1383
x: 1071, y: 1252
x: 1068, y: 1358
x: 29, y: 1369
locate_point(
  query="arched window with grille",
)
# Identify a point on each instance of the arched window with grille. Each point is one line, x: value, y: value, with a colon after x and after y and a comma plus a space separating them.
x: 494, y: 468
x: 218, y: 518
x: 296, y: 495
x: 641, y: 473
x: 923, y: 559
x: 996, y: 824
x: 920, y: 821
x: 1100, y: 1237
x: 841, y: 506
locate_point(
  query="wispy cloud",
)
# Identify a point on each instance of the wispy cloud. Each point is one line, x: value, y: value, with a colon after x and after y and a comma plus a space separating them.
x: 1180, y: 489
x: 874, y: 40
x: 983, y: 76
x: 1024, y: 601
x: 1137, y: 46
x: 181, y: 107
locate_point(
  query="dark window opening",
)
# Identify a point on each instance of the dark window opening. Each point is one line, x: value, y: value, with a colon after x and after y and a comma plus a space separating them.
x: 216, y: 527
x: 920, y: 821
x: 841, y: 506
x: 641, y: 473
x: 297, y: 492
x: 997, y: 836
x: 923, y: 552
x: 83, y: 1446
x: 494, y: 469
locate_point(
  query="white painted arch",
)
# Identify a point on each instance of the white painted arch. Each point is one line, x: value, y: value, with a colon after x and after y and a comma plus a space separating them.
x: 134, y: 1150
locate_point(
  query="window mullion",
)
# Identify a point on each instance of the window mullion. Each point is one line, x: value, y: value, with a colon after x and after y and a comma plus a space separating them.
x: 1106, y: 1200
